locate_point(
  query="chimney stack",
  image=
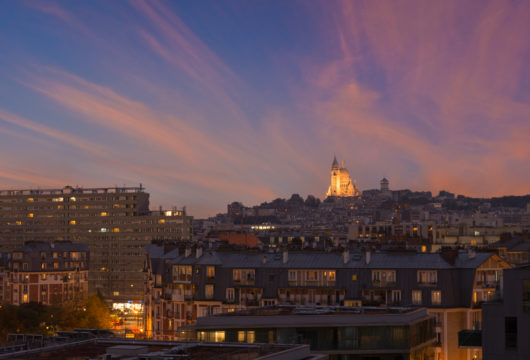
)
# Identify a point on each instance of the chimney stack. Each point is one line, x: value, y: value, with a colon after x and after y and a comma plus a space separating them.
x: 198, y: 252
x: 368, y: 256
x: 346, y: 256
x: 264, y: 259
x: 187, y: 252
x: 285, y: 256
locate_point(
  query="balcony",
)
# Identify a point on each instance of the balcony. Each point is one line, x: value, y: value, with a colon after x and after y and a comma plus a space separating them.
x: 383, y: 283
x: 182, y: 278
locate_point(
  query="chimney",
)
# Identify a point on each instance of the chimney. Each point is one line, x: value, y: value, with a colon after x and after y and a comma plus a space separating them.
x: 368, y: 256
x: 285, y: 256
x: 187, y: 252
x: 471, y: 253
x: 198, y: 252
x: 346, y: 256
x: 264, y: 259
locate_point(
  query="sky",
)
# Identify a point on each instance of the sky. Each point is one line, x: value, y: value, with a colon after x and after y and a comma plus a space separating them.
x: 209, y: 102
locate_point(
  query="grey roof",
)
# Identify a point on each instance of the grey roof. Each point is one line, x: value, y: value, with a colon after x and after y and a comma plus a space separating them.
x: 311, y: 319
x: 322, y: 260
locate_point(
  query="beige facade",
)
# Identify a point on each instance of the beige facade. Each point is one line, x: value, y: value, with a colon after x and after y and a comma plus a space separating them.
x: 115, y: 223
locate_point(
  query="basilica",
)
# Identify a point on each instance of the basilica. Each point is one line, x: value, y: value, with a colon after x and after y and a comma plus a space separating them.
x: 341, y: 182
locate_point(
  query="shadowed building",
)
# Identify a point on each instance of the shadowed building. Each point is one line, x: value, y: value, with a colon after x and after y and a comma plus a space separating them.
x: 51, y: 274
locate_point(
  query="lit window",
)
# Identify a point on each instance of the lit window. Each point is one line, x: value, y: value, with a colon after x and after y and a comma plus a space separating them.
x: 237, y: 275
x: 168, y: 213
x: 18, y: 222
x: 103, y: 229
x: 43, y: 275
x: 30, y: 199
x: 211, y: 272
x: 116, y: 293
x: 241, y: 336
x: 30, y: 215
x: 57, y: 199
x: 208, y: 291
x: 354, y: 277
x: 331, y: 276
x: 72, y: 222
x: 103, y: 213
x: 116, y: 205
x: 43, y: 266
x: 219, y: 336
x: 436, y: 297
x: 55, y: 265
x: 25, y: 298
x: 73, y: 198
x: 116, y: 230
x: 161, y: 221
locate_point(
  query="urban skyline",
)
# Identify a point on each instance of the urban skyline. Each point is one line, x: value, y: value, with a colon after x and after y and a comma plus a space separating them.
x: 207, y: 103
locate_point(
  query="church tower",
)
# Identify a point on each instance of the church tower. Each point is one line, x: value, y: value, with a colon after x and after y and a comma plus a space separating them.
x: 341, y: 183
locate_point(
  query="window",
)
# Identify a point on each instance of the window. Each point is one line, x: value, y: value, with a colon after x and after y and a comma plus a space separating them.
x: 416, y: 297
x: 292, y: 275
x: 72, y: 222
x: 208, y: 291
x: 210, y: 270
x: 236, y: 275
x: 43, y: 276
x: 427, y: 277
x: 383, y: 277
x: 396, y: 297
x: 354, y: 277
x: 510, y: 332
x: 436, y: 297
x: 311, y: 275
x: 230, y: 294
x: 246, y: 336
x: 331, y: 275
x: 25, y: 266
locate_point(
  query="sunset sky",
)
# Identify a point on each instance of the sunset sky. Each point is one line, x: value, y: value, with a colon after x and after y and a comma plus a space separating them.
x: 209, y: 102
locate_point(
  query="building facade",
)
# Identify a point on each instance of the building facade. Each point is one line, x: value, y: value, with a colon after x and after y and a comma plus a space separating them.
x: 49, y: 273
x: 115, y: 223
x: 507, y: 321
x: 190, y: 284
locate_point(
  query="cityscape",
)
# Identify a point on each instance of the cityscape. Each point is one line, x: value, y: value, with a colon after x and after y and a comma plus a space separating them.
x: 339, y: 180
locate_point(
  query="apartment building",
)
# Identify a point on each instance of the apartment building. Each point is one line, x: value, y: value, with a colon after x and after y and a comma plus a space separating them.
x: 188, y: 284
x: 507, y: 320
x: 115, y: 223
x: 49, y: 273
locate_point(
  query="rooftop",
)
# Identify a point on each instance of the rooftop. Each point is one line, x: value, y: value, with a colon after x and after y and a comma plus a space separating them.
x: 315, y: 316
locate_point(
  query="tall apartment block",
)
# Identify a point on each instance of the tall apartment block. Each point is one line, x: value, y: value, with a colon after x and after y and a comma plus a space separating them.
x: 115, y: 223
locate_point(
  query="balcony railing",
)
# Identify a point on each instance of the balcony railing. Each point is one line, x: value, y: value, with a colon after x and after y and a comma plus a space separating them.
x: 383, y: 283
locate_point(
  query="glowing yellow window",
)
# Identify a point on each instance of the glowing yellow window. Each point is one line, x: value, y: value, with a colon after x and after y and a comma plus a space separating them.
x: 162, y: 221
x: 241, y: 336
x: 116, y: 230
x: 30, y: 215
x: 18, y: 222
x: 116, y: 205
x: 72, y: 222
x: 103, y: 213
x: 73, y: 198
x: 25, y: 298
x: 219, y: 336
x: 30, y: 199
